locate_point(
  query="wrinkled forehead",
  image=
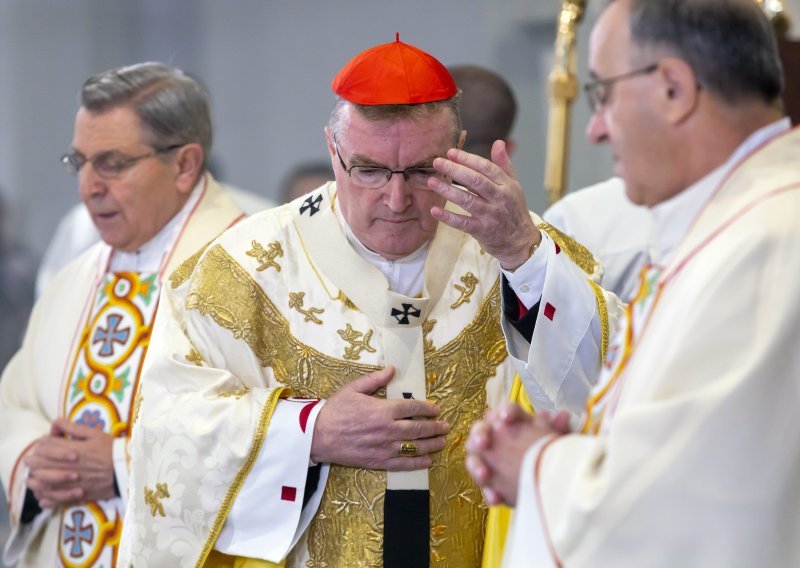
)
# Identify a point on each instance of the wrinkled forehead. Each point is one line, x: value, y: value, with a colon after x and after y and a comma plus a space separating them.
x: 431, y: 133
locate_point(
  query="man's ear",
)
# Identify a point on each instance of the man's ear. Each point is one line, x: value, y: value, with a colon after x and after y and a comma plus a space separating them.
x: 190, y: 162
x: 461, y: 139
x: 329, y: 142
x: 679, y: 90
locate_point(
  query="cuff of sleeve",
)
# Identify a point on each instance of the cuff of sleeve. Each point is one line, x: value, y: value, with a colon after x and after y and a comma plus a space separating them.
x: 119, y: 454
x: 527, y: 281
x: 268, y: 516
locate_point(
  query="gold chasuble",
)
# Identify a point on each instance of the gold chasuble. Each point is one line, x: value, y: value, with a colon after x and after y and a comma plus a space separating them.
x: 99, y: 393
x: 282, y: 300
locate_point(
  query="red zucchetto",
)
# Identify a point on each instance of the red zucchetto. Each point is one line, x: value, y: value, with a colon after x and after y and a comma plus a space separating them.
x: 393, y: 74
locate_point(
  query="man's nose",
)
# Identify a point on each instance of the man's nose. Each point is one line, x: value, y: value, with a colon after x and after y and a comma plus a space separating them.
x: 596, y: 129
x: 89, y: 183
x: 397, y: 193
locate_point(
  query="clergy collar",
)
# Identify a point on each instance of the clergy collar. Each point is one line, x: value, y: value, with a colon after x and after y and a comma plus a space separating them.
x: 672, y: 218
x: 149, y: 257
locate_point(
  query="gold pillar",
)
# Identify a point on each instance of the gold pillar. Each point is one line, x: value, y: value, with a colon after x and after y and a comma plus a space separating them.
x: 563, y: 88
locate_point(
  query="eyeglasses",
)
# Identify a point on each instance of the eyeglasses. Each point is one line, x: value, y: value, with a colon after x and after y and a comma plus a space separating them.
x: 108, y: 164
x: 375, y: 177
x: 598, y: 91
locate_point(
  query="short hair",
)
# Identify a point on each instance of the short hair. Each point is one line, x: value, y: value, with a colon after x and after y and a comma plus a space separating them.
x: 730, y: 44
x: 173, y: 107
x: 488, y: 107
x: 302, y: 171
x: 392, y: 113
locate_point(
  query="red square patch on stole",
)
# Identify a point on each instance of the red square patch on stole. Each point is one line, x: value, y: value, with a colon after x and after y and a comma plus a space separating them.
x: 288, y: 493
x: 549, y: 311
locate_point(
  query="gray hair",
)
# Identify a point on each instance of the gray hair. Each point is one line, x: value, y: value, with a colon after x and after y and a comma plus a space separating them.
x: 392, y: 113
x: 173, y: 107
x: 730, y: 44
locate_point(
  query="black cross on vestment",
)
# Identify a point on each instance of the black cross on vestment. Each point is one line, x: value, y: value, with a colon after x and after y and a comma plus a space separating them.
x: 311, y: 203
x: 402, y: 315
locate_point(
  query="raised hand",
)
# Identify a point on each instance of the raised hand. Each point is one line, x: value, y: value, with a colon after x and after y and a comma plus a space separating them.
x: 498, y: 215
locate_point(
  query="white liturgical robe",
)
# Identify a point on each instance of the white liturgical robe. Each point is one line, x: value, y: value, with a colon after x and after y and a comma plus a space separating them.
x: 287, y: 303
x: 689, y: 451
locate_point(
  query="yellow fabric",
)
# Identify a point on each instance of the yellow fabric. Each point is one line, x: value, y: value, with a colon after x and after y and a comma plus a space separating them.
x: 218, y: 560
x: 500, y: 516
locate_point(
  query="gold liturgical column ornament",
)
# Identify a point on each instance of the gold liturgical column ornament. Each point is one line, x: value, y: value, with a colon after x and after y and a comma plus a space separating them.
x: 563, y: 87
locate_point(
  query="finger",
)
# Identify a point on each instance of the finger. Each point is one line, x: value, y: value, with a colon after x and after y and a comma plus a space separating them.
x: 424, y: 446
x: 72, y: 430
x: 404, y: 409
x: 560, y: 422
x: 464, y: 198
x: 368, y: 384
x: 457, y: 221
x: 480, y: 437
x: 408, y: 463
x: 54, y: 477
x: 492, y: 497
x: 416, y: 429
x: 509, y: 413
x: 60, y: 496
x: 52, y: 450
x: 477, y: 469
x: 501, y: 158
x: 475, y: 172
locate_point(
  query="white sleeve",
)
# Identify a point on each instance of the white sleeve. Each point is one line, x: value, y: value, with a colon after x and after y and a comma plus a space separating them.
x: 119, y: 454
x: 560, y: 364
x: 527, y: 281
x: 263, y: 522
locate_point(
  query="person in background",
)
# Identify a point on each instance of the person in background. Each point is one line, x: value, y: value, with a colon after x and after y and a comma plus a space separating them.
x: 686, y: 454
x: 139, y: 150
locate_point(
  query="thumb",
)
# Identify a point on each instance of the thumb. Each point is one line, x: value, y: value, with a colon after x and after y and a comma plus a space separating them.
x: 368, y: 384
x: 69, y: 429
x: 501, y: 158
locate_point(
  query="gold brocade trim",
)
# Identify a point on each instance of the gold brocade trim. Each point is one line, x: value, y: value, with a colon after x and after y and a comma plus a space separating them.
x: 222, y: 289
x: 153, y: 498
x: 427, y: 328
x: 466, y: 290
x: 296, y: 302
x: 602, y: 308
x: 266, y: 257
x: 358, y: 342
x: 193, y: 356
x: 185, y: 269
x: 578, y: 253
x: 137, y: 404
x: 227, y: 502
x: 346, y: 301
x: 235, y: 394
x: 348, y: 527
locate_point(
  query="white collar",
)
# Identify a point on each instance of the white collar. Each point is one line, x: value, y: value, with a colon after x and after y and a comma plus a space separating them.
x: 150, y: 256
x: 671, y: 218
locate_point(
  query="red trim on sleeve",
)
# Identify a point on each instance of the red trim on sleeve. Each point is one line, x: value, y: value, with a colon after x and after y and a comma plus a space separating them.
x: 14, y: 473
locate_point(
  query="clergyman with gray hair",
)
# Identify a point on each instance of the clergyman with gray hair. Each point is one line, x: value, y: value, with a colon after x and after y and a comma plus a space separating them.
x: 687, y: 452
x: 139, y: 151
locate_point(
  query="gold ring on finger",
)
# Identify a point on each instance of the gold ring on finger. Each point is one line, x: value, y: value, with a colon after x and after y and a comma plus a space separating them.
x: 408, y: 448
